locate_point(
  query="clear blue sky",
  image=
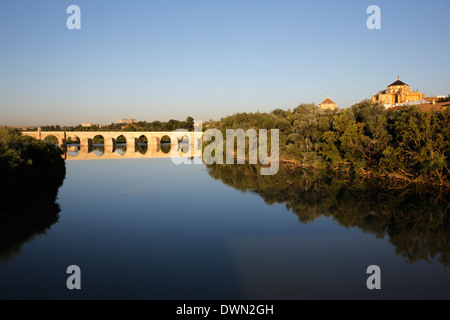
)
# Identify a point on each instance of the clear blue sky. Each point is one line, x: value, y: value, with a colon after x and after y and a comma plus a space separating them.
x: 167, y: 59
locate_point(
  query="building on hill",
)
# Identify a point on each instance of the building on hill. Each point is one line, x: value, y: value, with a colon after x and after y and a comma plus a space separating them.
x: 397, y: 93
x: 127, y: 121
x: 328, y: 104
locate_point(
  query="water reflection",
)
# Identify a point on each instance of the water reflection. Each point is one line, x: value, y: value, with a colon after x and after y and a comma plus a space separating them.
x: 122, y: 150
x: 165, y: 147
x: 73, y: 149
x: 22, y: 226
x: 29, y: 208
x: 416, y: 220
x: 98, y: 149
x: 142, y: 148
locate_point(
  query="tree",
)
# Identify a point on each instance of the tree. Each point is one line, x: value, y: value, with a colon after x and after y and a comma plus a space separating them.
x: 189, y: 124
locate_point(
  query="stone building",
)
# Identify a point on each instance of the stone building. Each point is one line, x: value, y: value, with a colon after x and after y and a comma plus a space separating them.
x: 328, y: 104
x: 397, y: 93
x: 127, y: 121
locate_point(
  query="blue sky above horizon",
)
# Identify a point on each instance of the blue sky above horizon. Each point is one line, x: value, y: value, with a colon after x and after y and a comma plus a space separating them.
x: 157, y: 60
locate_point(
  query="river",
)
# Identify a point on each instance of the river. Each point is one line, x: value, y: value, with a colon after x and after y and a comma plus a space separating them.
x: 145, y: 228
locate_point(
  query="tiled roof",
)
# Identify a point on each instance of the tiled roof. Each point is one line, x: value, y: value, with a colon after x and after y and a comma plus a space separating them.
x: 397, y: 83
x: 439, y: 106
x: 327, y: 101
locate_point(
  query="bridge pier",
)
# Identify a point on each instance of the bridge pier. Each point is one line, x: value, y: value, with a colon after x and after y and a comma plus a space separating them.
x: 110, y: 142
x: 86, y: 145
x: 86, y: 142
x: 62, y: 143
x: 132, y: 144
x: 154, y: 141
x: 86, y: 148
x: 154, y: 147
x: 110, y: 148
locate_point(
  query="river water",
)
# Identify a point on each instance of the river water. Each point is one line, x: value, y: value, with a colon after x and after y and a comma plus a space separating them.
x: 145, y: 228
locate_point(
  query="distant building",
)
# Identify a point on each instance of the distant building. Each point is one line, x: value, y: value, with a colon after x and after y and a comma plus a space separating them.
x: 86, y: 125
x: 127, y: 121
x: 328, y: 104
x: 397, y: 93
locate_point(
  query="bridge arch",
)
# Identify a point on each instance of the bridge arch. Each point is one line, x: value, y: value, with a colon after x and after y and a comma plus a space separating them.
x: 73, y: 139
x: 142, y: 142
x: 98, y: 139
x: 121, y: 144
x: 165, y: 139
x: 165, y: 143
x: 52, y: 139
x: 143, y: 139
x: 98, y: 145
x: 121, y: 139
x: 73, y: 144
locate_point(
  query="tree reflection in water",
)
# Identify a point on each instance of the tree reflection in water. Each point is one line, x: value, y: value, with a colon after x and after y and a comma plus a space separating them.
x: 416, y: 219
x: 29, y: 206
x: 23, y: 225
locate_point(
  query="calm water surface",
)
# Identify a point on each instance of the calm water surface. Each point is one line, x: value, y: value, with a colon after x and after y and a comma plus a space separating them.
x: 149, y: 229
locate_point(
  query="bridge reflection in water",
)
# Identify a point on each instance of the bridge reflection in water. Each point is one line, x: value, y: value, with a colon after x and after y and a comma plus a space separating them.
x: 123, y: 151
x: 186, y: 144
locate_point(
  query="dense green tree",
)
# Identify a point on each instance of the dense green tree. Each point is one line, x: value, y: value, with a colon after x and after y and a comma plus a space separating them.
x: 28, y: 165
x: 31, y: 173
x: 420, y: 143
x: 189, y: 124
x: 406, y: 143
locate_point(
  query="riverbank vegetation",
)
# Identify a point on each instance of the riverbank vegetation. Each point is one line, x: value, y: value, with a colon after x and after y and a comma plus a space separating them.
x: 32, y: 171
x: 367, y: 139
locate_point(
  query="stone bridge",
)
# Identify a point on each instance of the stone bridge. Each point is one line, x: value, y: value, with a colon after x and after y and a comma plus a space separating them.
x: 110, y: 137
